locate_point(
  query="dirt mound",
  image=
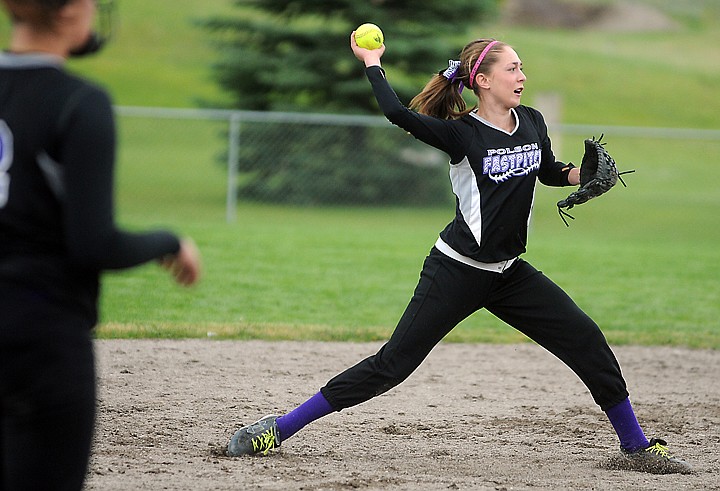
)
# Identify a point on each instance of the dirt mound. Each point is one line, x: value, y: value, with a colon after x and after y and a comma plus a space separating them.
x: 567, y: 14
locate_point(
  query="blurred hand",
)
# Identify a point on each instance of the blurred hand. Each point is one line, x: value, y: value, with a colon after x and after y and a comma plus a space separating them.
x: 185, y: 266
x: 371, y: 57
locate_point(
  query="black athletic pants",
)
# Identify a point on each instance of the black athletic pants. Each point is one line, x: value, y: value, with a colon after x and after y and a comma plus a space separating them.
x: 450, y: 291
x: 47, y: 393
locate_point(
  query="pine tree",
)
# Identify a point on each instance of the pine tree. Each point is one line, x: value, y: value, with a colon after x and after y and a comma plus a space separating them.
x: 294, y: 56
x: 290, y: 55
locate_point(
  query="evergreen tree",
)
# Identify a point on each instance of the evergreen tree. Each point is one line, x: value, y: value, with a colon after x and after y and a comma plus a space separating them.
x: 293, y: 55
x: 290, y: 55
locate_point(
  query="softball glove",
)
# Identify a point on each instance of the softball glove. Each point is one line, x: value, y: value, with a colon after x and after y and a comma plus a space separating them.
x: 598, y: 174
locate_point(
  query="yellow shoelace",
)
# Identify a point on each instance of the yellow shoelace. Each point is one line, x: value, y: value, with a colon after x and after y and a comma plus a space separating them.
x: 659, y: 449
x: 265, y: 441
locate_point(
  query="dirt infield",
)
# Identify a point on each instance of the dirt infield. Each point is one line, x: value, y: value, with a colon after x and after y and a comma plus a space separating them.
x: 473, y: 417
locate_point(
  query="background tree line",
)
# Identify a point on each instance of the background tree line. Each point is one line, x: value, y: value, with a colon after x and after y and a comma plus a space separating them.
x: 285, y: 55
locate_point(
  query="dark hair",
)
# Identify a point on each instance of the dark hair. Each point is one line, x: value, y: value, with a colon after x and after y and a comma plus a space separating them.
x: 441, y: 97
x: 40, y: 13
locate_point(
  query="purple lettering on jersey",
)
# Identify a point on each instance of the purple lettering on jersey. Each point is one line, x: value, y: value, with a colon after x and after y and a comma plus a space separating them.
x: 502, y: 164
x: 5, y: 145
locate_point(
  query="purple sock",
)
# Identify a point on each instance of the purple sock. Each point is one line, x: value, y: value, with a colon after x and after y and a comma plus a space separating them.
x: 314, y: 408
x: 627, y: 427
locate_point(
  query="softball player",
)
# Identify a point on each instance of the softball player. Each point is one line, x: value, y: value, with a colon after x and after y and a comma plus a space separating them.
x: 497, y: 150
x: 57, y: 233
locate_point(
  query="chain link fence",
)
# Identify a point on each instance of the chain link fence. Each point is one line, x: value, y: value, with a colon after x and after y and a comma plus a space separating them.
x: 320, y: 159
x: 305, y: 159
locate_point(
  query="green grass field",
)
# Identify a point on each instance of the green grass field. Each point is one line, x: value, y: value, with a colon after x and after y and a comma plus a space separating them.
x: 642, y: 261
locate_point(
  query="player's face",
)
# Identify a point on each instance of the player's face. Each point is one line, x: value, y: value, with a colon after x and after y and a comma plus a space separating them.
x: 506, y: 79
x: 87, y: 20
x: 82, y: 13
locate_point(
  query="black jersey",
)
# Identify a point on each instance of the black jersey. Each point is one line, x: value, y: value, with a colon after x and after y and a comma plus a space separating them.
x: 493, y: 172
x: 57, y: 151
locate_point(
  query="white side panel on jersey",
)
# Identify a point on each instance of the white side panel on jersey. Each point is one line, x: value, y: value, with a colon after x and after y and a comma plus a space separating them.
x: 464, y: 185
x: 532, y: 205
x: 6, y: 159
x: 53, y: 174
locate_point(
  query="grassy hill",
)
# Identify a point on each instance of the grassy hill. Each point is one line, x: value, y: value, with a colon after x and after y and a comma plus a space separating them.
x: 162, y: 57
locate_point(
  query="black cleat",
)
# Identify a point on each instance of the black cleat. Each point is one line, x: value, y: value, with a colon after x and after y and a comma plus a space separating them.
x: 259, y: 437
x: 654, y: 459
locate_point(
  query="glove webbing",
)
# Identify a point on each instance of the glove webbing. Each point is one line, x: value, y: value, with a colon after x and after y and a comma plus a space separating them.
x: 564, y: 213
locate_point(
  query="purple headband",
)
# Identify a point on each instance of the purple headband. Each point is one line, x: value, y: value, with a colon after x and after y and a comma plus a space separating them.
x: 479, y: 60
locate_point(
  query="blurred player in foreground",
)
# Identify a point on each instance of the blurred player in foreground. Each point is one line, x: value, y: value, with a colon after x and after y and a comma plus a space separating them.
x: 498, y: 151
x: 57, y: 234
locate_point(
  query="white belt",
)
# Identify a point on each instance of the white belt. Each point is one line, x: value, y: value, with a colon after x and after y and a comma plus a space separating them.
x: 498, y: 267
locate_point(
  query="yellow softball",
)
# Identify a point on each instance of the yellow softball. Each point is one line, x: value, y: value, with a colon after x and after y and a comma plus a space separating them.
x: 369, y: 36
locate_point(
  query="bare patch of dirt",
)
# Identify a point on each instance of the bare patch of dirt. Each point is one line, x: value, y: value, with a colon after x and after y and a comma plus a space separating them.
x: 473, y: 417
x: 567, y: 14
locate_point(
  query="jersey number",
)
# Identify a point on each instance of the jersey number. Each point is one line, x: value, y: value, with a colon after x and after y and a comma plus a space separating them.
x: 6, y: 157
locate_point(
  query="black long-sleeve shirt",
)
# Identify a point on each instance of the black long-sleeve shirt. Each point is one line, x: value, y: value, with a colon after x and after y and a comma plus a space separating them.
x: 57, y: 154
x: 493, y: 172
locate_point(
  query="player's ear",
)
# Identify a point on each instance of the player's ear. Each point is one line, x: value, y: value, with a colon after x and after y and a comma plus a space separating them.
x: 482, y: 81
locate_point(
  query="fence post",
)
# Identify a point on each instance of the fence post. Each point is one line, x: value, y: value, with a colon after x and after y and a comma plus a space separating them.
x: 550, y: 104
x: 233, y: 155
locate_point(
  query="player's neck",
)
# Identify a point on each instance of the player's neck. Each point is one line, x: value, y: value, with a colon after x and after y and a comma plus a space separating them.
x: 501, y: 117
x: 25, y: 41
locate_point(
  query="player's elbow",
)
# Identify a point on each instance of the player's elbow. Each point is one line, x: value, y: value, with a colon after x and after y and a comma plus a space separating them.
x: 396, y: 115
x: 90, y: 250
